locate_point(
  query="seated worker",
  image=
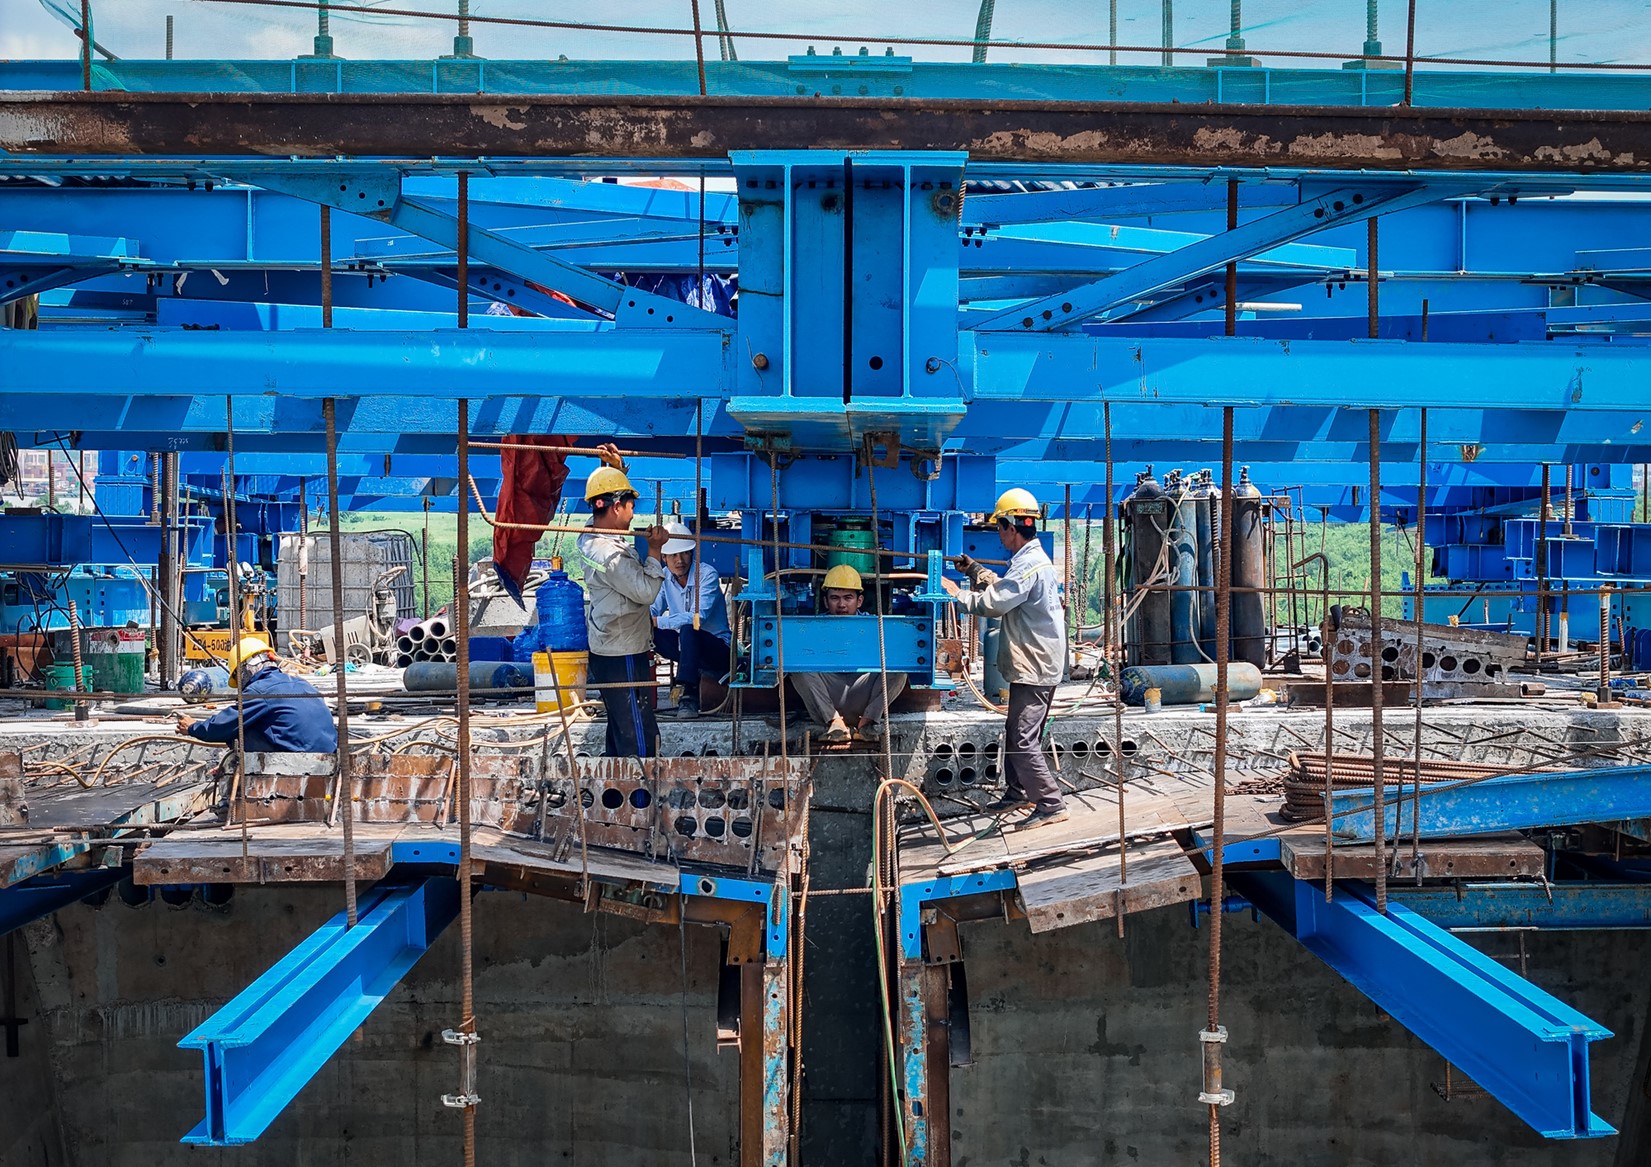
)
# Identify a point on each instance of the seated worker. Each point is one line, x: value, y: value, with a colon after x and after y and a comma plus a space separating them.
x: 284, y: 714
x: 675, y: 638
x: 619, y: 589
x: 833, y: 699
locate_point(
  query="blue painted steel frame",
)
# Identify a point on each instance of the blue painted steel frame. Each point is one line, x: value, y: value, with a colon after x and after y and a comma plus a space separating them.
x: 1511, y: 803
x: 1525, y: 1047
x: 1500, y: 907
x: 262, y: 1047
x: 23, y: 903
x: 914, y: 895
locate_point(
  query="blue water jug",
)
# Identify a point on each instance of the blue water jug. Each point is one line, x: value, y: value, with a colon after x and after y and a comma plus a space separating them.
x: 561, y: 604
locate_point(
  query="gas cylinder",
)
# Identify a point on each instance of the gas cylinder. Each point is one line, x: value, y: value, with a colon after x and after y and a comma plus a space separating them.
x: 1203, y: 496
x: 1249, y: 574
x: 1146, y: 533
x: 1183, y: 601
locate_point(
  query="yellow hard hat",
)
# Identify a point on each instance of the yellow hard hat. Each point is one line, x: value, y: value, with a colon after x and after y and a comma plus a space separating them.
x: 606, y: 480
x: 845, y: 577
x: 245, y: 650
x: 1016, y: 501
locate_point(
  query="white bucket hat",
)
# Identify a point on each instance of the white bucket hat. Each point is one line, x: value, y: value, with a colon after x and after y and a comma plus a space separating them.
x: 682, y: 539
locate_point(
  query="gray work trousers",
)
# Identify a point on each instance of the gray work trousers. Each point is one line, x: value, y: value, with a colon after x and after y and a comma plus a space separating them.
x: 852, y: 695
x: 1025, y: 765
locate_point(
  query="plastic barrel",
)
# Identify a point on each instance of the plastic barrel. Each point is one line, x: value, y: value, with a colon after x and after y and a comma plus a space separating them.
x: 559, y: 678
x: 561, y: 607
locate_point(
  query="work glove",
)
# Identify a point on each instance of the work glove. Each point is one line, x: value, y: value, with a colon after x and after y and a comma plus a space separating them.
x: 971, y: 570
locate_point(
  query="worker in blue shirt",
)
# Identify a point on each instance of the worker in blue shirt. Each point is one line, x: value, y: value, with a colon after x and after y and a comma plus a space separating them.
x: 284, y: 714
x: 690, y: 587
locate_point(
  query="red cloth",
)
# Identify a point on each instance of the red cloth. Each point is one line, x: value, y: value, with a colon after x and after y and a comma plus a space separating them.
x: 530, y: 489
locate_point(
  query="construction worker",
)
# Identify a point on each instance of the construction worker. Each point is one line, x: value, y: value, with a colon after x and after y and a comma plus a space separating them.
x: 284, y: 713
x: 835, y: 700
x: 620, y: 587
x: 1031, y: 652
x: 690, y: 588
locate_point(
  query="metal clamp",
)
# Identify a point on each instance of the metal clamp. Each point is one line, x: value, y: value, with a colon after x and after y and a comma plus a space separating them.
x: 1213, y: 1094
x: 467, y: 1042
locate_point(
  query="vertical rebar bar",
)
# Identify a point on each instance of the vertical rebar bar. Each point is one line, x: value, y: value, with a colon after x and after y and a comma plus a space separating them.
x: 1232, y: 268
x: 1541, y: 563
x: 461, y: 624
x: 1066, y: 550
x: 1553, y: 36
x: 1372, y: 308
x: 344, y: 800
x: 75, y: 650
x: 326, y: 266
x: 1372, y: 35
x: 1108, y: 552
x: 1378, y: 744
x: 168, y: 36
x: 1169, y: 32
x: 1112, y: 31
x: 1421, y: 569
x: 699, y: 48
x: 1223, y: 656
x: 86, y: 45
x: 1410, y: 54
x: 462, y: 274
x: 1604, y: 693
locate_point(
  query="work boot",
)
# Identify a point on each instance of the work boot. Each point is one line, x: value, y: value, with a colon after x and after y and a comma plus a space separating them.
x: 1042, y: 818
x: 871, y: 733
x: 1008, y: 804
x: 687, y: 709
x: 836, y: 733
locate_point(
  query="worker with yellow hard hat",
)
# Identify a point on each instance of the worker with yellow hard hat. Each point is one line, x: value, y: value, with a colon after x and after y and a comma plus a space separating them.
x: 846, y: 705
x: 284, y: 714
x: 1031, y: 652
x: 620, y: 587
x: 690, y: 619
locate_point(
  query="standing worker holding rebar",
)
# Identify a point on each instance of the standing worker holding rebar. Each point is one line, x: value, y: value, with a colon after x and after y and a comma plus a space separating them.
x: 620, y: 586
x: 1031, y: 652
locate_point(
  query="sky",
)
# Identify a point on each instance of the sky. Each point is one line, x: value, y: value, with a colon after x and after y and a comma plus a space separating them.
x: 1589, y: 30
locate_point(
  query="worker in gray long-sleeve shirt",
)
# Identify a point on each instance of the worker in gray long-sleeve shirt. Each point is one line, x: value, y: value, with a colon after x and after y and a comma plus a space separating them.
x: 1031, y: 653
x: 619, y: 588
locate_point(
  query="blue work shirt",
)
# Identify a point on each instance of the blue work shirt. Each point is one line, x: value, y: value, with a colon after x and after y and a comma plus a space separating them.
x: 273, y: 726
x: 674, y: 606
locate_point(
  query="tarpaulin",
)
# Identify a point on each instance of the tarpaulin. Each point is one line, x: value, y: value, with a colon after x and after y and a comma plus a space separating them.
x: 530, y: 490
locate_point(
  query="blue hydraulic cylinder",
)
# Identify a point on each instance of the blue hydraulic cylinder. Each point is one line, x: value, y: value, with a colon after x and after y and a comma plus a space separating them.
x: 266, y: 1044
x: 1526, y: 1048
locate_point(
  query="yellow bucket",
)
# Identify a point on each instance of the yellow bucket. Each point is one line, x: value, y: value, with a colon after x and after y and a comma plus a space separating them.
x: 559, y: 674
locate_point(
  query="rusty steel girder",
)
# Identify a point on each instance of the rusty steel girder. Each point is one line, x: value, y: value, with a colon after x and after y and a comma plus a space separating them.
x: 451, y: 126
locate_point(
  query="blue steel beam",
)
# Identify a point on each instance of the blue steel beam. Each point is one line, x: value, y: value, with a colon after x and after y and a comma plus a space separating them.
x: 1117, y: 202
x: 1375, y: 374
x: 25, y: 902
x: 266, y: 1044
x: 1525, y: 1047
x: 1497, y: 907
x: 1350, y: 204
x: 626, y: 364
x: 1512, y: 802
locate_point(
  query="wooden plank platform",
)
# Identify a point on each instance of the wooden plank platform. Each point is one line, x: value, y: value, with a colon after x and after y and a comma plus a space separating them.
x: 68, y: 820
x: 1078, y: 891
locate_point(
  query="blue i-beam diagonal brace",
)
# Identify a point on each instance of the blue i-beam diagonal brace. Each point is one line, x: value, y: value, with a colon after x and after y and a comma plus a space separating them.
x: 1528, y: 1049
x: 1490, y: 806
x: 263, y: 1046
x: 1347, y: 205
